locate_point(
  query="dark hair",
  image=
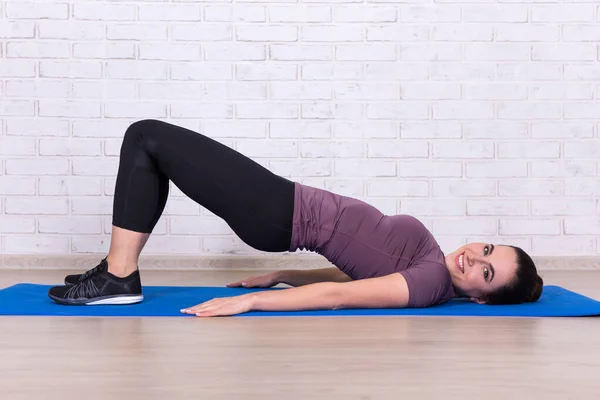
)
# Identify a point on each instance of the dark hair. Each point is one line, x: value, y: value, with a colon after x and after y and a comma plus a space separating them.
x: 526, y: 286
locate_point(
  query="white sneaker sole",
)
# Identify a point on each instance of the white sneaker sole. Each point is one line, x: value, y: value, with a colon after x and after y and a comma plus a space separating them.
x: 117, y: 301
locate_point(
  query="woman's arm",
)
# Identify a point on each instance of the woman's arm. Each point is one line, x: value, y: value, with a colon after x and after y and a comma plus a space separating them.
x: 389, y: 291
x: 307, y: 277
x: 293, y: 278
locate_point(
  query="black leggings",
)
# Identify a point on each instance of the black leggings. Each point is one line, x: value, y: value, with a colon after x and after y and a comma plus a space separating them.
x: 257, y: 204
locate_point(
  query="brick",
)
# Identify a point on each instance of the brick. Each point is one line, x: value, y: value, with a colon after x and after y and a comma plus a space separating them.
x: 12, y: 146
x: 430, y: 129
x: 37, y: 11
x: 69, y: 186
x: 465, y: 226
x: 529, y: 226
x: 71, y: 30
x: 17, y: 224
x: 300, y: 91
x: 496, y: 169
x: 37, y: 89
x: 432, y: 207
x: 333, y: 34
x: 37, y: 166
x: 70, y: 108
x: 521, y: 150
x: 203, y: 33
x: 70, y: 147
x: 582, y: 187
x: 582, y: 149
x: 366, y: 91
x: 95, y: 166
x: 462, y: 32
x: 494, y: 91
x: 530, y: 187
x: 302, y: 168
x: 519, y: 32
x: 529, y: 110
x: 17, y: 185
x: 589, y: 225
x: 462, y: 150
x: 462, y: 188
x: 364, y: 168
x: 346, y: 71
x: 398, y: 110
x: 372, y: 13
x: 300, y: 129
x: 37, y: 49
x: 430, y: 51
x: 497, y: 130
x: 266, y: 33
x: 562, y: 169
x: 70, y: 225
x: 239, y: 13
x: 431, y: 168
x: 413, y: 33
x: 36, y: 205
x: 563, y: 246
x: 397, y: 149
x: 462, y: 110
x: 493, y: 207
x: 36, y: 244
x: 332, y: 149
x: 71, y: 69
x: 268, y: 148
x: 430, y: 91
x: 37, y: 127
x: 366, y: 129
x: 366, y: 52
x: 397, y: 188
x: 561, y: 207
x: 562, y: 130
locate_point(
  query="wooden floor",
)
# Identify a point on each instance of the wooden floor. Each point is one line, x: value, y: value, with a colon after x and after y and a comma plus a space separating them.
x: 298, y: 358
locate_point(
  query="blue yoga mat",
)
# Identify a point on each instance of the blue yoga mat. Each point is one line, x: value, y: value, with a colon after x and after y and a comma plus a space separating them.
x: 166, y: 301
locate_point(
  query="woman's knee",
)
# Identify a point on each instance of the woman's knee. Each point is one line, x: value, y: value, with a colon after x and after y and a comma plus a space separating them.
x: 142, y: 126
x: 139, y: 132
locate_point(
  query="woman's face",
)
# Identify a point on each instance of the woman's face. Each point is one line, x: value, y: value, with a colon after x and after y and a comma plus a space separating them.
x: 478, y: 269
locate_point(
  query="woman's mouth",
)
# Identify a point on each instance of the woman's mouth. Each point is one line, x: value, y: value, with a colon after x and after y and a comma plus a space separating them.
x: 460, y: 262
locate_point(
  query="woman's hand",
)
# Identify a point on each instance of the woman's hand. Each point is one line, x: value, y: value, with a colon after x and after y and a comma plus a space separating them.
x: 222, y: 306
x: 260, y: 281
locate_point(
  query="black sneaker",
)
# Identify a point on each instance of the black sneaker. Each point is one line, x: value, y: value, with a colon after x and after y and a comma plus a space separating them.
x: 73, y: 279
x: 100, y: 287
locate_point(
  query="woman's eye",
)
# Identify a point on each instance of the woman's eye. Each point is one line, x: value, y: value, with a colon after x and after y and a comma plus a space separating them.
x: 485, y: 273
x: 486, y: 250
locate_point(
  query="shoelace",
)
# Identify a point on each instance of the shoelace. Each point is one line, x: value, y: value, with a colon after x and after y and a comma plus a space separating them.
x: 85, y: 288
x: 98, y: 268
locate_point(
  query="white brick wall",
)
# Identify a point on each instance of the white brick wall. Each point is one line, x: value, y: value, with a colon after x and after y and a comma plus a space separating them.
x: 480, y: 118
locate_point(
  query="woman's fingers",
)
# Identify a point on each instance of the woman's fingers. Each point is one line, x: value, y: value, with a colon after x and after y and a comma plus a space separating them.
x: 250, y: 282
x: 243, y: 283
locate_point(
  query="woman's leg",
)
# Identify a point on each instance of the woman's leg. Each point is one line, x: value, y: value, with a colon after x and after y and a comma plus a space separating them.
x: 253, y: 201
x: 256, y: 203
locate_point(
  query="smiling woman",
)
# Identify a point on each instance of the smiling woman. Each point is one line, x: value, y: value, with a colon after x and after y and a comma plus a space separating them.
x: 494, y: 274
x: 381, y: 260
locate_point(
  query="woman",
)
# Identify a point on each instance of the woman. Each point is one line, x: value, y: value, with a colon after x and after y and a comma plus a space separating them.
x: 381, y: 261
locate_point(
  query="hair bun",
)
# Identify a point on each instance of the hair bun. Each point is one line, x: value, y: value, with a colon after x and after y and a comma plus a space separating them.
x: 536, y: 292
